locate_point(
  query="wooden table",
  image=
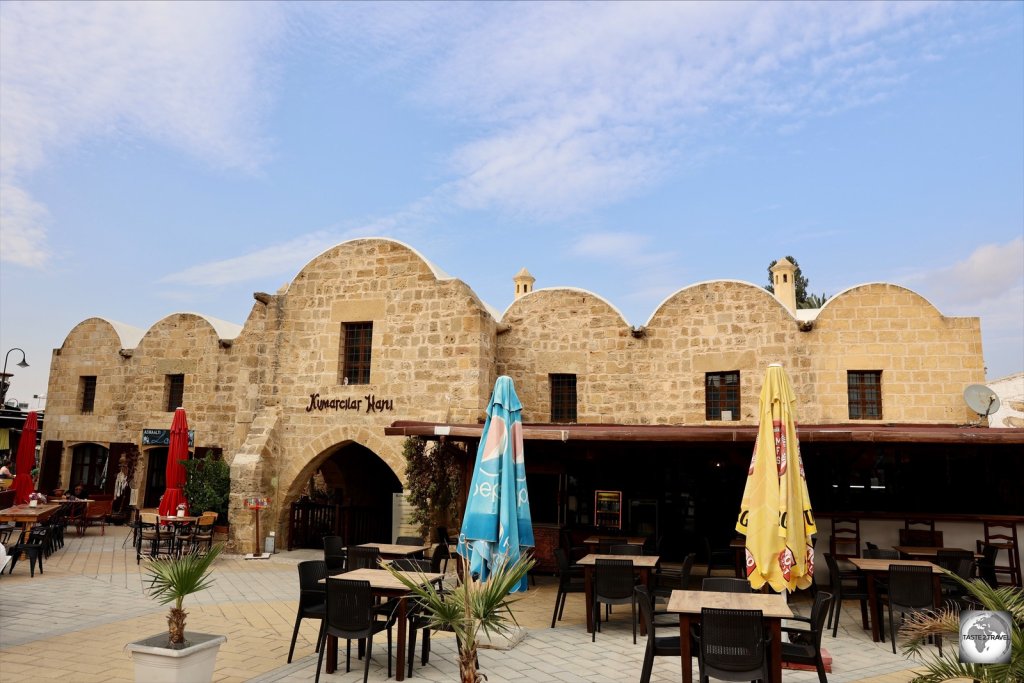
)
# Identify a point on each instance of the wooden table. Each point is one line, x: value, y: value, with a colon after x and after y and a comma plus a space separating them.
x: 926, y: 552
x: 28, y: 516
x: 384, y: 584
x: 879, y: 569
x: 688, y: 605
x: 642, y: 564
x: 594, y: 543
x: 394, y: 551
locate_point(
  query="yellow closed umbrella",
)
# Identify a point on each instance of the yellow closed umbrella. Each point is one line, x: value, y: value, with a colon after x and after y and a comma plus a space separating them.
x: 775, y: 514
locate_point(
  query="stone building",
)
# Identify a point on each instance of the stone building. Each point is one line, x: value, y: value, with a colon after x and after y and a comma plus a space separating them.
x: 370, y: 342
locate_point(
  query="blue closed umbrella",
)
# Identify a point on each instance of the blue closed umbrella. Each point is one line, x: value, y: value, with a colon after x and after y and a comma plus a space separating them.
x: 497, y: 528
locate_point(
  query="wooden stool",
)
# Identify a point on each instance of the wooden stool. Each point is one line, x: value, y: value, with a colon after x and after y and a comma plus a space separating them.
x: 1003, y: 535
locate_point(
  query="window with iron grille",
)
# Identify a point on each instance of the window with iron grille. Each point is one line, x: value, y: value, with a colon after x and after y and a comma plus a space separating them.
x: 87, y: 390
x: 356, y: 352
x: 175, y: 392
x: 563, y: 398
x: 722, y: 395
x: 864, y: 390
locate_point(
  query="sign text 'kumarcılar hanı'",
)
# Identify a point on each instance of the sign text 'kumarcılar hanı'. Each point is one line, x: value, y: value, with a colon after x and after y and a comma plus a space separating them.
x: 373, y: 404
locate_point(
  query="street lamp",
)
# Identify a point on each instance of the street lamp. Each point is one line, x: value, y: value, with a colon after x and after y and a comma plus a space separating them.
x: 4, y: 381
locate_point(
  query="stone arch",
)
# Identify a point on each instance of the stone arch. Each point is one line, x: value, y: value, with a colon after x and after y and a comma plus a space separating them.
x: 321, y: 449
x: 297, y: 472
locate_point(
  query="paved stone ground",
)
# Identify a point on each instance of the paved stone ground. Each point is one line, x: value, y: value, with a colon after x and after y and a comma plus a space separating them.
x: 71, y: 624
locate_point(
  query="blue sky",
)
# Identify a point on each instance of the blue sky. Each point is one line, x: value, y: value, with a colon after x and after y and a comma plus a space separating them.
x: 157, y: 158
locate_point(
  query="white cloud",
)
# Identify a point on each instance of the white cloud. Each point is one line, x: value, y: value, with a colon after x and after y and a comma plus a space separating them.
x: 23, y: 236
x: 989, y: 284
x: 625, y: 248
x: 577, y: 106
x: 278, y: 259
x: 191, y: 76
x: 988, y: 273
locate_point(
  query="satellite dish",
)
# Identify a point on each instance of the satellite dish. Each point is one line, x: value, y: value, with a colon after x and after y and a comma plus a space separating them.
x: 981, y: 399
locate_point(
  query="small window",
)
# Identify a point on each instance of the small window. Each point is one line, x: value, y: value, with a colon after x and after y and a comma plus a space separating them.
x: 864, y: 388
x: 563, y: 398
x: 356, y: 352
x: 722, y: 395
x: 87, y: 391
x: 175, y: 392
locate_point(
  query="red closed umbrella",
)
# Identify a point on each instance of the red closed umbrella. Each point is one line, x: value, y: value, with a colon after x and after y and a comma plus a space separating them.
x: 25, y: 460
x: 177, y: 450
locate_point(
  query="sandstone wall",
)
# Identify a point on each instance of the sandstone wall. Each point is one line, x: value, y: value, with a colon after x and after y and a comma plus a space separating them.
x: 926, y: 359
x: 436, y: 351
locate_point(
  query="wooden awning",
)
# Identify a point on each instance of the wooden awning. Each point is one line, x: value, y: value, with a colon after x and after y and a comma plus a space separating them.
x: 838, y: 433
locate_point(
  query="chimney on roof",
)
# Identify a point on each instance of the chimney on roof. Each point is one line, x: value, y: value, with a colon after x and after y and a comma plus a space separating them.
x: 524, y: 282
x: 782, y: 281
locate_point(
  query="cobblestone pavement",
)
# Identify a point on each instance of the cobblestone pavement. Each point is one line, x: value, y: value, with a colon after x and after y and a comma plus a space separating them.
x: 71, y: 624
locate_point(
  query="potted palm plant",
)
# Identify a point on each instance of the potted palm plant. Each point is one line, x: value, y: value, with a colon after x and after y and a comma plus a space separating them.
x: 177, y: 656
x: 473, y: 606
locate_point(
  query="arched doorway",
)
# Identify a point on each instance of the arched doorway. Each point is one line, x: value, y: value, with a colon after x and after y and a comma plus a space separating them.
x: 351, y: 495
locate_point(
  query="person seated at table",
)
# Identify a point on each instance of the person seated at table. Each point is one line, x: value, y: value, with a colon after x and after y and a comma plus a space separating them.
x: 5, y: 472
x: 80, y: 491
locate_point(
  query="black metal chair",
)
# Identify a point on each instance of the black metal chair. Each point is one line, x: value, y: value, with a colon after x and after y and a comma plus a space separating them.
x: 409, y: 540
x: 732, y: 645
x: 441, y: 536
x: 877, y: 553
x: 350, y: 615
x: 334, y: 554
x: 910, y: 590
x: 613, y: 585
x: 961, y: 563
x: 411, y: 564
x: 33, y: 547
x: 668, y: 580
x: 664, y: 646
x: 625, y: 549
x: 196, y: 537
x: 724, y: 584
x: 312, y: 599
x: 360, y: 557
x: 569, y: 581
x: 986, y: 567
x: 418, y: 621
x: 842, y: 590
x: 159, y: 537
x: 807, y: 648
x: 719, y: 558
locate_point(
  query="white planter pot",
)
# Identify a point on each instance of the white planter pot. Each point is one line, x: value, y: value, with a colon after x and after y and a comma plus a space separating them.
x: 33, y: 503
x: 155, y: 663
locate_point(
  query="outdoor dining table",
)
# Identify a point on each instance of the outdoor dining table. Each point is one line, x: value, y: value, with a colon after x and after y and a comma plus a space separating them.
x: 642, y: 564
x: 925, y: 552
x: 879, y: 569
x: 594, y: 543
x: 28, y: 516
x: 394, y: 551
x: 385, y: 585
x: 688, y: 605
